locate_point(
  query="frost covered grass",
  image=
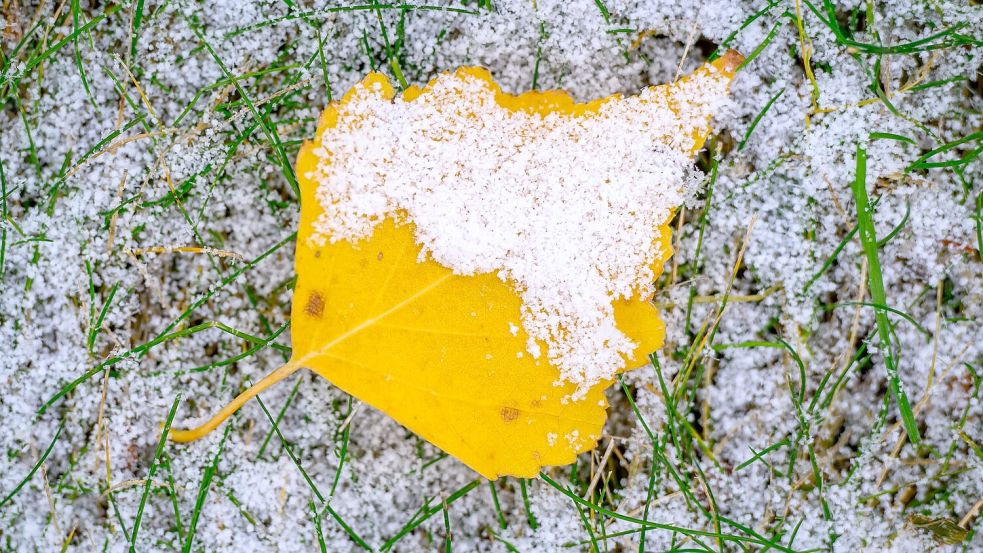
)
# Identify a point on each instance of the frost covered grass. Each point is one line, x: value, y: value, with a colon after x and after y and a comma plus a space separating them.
x: 820, y: 384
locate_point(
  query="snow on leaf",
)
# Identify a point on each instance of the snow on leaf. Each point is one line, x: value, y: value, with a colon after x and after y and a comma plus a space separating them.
x: 441, y: 353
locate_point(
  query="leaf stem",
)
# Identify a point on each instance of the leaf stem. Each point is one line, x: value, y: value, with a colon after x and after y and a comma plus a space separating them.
x: 276, y: 376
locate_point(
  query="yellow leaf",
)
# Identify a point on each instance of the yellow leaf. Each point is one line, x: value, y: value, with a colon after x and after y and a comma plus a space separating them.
x: 443, y: 354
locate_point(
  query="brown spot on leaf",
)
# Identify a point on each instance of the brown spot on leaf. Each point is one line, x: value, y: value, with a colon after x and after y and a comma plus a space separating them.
x: 509, y: 414
x: 317, y: 253
x: 315, y: 305
x: 380, y: 256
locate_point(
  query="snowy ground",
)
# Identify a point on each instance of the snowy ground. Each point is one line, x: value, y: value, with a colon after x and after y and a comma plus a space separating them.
x: 146, y: 125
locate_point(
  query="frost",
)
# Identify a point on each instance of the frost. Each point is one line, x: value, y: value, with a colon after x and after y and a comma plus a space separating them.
x: 793, y: 174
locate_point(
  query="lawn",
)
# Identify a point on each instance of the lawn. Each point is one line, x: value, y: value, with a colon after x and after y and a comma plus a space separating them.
x: 819, y: 388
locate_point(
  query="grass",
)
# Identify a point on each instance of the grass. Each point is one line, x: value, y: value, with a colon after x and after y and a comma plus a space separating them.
x: 206, y: 481
x: 868, y: 238
x: 317, y: 493
x: 34, y: 469
x: 677, y: 451
x: 154, y: 466
x: 757, y: 118
x: 427, y: 511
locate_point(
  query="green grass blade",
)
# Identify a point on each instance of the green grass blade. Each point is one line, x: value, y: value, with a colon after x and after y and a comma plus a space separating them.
x: 206, y: 483
x: 426, y: 512
x: 34, y: 469
x: 154, y: 464
x: 757, y: 119
x: 868, y: 238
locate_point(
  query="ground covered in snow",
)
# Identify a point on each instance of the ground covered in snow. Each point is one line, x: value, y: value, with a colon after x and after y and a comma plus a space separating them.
x: 820, y: 384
